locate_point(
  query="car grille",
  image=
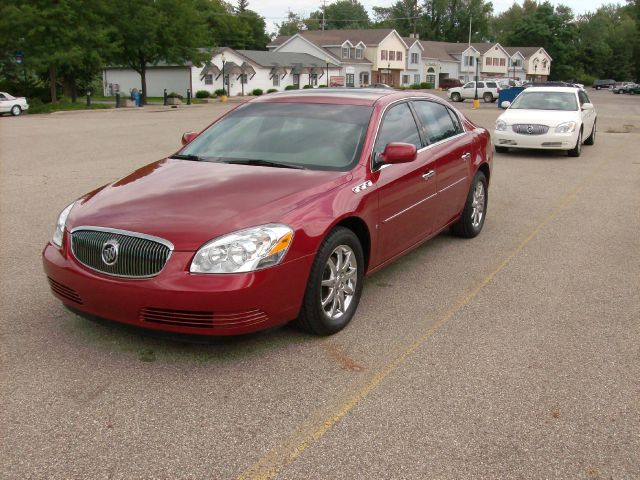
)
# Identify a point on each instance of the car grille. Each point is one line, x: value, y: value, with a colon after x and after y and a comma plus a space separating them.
x: 202, y: 319
x: 530, y: 129
x: 138, y: 256
x: 64, y: 292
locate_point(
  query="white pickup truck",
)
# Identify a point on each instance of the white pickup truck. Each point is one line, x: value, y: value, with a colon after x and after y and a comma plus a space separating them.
x: 13, y: 105
x: 487, y: 91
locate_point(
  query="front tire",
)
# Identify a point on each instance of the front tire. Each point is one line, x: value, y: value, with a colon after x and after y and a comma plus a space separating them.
x: 475, y: 208
x: 577, y: 150
x: 335, y: 284
x: 16, y: 110
x: 456, y: 97
x: 487, y: 97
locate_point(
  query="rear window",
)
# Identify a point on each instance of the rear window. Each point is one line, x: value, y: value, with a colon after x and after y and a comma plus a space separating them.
x: 492, y: 85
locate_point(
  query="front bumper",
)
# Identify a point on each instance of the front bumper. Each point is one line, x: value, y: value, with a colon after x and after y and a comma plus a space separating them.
x: 547, y: 141
x: 178, y: 301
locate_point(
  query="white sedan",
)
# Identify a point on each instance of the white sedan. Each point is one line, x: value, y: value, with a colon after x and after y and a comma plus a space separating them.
x: 13, y: 105
x: 550, y: 118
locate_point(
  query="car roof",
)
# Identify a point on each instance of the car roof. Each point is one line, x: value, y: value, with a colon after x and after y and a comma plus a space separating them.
x: 343, y: 96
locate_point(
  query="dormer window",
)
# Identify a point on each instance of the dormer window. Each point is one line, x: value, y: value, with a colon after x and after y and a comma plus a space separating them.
x: 345, y: 52
x: 359, y: 53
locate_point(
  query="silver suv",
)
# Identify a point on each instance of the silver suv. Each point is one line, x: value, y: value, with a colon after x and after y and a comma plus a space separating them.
x: 487, y: 91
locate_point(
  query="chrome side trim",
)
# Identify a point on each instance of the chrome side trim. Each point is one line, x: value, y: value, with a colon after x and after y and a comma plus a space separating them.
x: 129, y: 233
x: 453, y: 184
x: 408, y: 208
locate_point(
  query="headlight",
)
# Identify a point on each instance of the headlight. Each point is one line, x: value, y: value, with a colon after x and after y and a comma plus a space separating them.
x: 244, y: 250
x: 501, y: 125
x: 567, y: 127
x: 62, y: 220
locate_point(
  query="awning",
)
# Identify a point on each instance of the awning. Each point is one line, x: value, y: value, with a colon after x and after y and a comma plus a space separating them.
x: 277, y: 71
x: 247, y: 70
x: 299, y: 69
x: 210, y: 69
x: 232, y: 68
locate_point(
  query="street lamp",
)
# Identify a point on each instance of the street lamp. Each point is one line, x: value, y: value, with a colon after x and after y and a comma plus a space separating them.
x: 327, y: 79
x: 535, y: 72
x: 388, y: 73
x: 224, y: 82
x: 476, y: 102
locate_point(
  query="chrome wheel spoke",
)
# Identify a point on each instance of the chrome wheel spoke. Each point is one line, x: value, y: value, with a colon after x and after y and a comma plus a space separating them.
x: 348, y: 289
x: 330, y: 297
x: 339, y: 281
x: 329, y: 282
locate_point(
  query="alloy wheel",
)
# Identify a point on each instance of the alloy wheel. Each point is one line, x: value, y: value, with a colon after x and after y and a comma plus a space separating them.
x: 339, y: 280
x: 477, y: 205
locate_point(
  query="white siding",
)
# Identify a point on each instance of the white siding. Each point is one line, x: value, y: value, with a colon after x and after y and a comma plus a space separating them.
x: 174, y: 79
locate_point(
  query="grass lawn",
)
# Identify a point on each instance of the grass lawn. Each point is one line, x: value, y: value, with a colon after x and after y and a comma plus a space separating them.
x: 64, y: 105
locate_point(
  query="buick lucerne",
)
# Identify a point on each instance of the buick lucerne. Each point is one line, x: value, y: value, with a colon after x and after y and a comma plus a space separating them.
x: 276, y: 212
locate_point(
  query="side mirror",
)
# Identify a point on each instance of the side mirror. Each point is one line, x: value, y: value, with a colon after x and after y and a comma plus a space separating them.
x: 188, y: 137
x: 399, y: 153
x: 505, y: 104
x: 587, y: 106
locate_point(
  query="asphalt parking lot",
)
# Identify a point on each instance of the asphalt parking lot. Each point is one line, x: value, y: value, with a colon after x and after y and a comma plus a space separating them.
x: 512, y: 355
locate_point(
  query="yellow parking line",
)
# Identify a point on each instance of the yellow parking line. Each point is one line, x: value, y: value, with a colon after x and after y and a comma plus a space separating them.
x: 278, y: 458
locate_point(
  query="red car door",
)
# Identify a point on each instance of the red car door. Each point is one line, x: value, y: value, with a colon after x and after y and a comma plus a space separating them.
x: 451, y: 149
x: 406, y: 191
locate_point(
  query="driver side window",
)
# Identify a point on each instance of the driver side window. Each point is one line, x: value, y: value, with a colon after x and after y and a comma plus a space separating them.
x: 398, y: 125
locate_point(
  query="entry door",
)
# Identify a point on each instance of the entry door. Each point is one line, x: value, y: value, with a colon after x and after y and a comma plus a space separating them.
x: 406, y: 191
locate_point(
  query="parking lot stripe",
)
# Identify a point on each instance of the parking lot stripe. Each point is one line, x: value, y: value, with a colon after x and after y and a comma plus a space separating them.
x: 278, y: 458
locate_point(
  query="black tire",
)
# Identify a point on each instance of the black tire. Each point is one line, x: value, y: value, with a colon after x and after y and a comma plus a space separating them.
x: 487, y: 97
x: 16, y: 110
x: 597, y: 88
x: 577, y: 150
x: 465, y: 227
x: 456, y: 97
x: 592, y: 138
x: 502, y: 149
x: 312, y: 318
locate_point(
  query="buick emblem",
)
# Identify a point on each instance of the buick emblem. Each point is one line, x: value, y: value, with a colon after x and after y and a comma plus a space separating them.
x: 110, y: 252
x: 529, y: 128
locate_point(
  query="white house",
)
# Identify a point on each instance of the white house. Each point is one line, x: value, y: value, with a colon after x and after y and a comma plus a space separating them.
x: 414, y: 72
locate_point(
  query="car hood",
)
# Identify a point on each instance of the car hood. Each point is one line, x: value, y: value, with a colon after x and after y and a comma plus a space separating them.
x: 189, y: 203
x: 550, y: 118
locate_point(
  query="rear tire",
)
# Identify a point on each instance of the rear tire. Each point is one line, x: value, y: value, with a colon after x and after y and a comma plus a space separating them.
x: 16, y: 110
x: 577, y: 150
x: 475, y: 208
x: 487, y: 97
x: 592, y: 138
x: 456, y: 97
x: 336, y: 280
x: 502, y: 149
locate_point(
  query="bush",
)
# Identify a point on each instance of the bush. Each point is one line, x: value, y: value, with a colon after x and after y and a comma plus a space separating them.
x: 307, y: 87
x: 291, y: 87
x: 272, y: 90
x: 424, y: 85
x: 428, y: 85
x: 174, y: 95
x: 322, y: 86
x: 221, y: 91
x: 415, y: 86
x: 257, y: 92
x: 202, y: 94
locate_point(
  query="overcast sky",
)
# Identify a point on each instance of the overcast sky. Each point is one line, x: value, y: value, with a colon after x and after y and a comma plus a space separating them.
x: 275, y: 11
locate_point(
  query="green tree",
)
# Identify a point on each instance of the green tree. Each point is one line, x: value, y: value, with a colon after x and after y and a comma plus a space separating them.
x: 291, y: 25
x: 228, y: 28
x: 342, y: 14
x: 148, y: 33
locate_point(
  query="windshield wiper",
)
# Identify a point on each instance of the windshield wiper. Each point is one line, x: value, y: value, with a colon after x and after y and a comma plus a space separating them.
x: 181, y: 156
x: 264, y: 163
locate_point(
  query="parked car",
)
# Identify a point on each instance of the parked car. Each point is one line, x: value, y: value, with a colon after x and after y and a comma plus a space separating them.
x: 620, y: 87
x: 488, y: 91
x: 550, y: 118
x: 277, y: 211
x: 381, y: 85
x: 633, y: 89
x: 600, y: 84
x: 13, y: 105
x: 447, y: 83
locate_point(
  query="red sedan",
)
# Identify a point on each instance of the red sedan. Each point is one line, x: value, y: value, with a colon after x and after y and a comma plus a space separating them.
x: 275, y: 212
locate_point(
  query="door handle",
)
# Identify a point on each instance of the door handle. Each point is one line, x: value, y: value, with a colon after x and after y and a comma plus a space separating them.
x: 428, y: 175
x: 466, y: 156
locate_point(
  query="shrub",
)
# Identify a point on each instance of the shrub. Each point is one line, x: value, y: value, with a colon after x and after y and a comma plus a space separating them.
x: 221, y: 91
x: 307, y: 87
x: 428, y: 86
x: 174, y: 95
x: 424, y: 85
x: 202, y: 94
x: 257, y: 92
x: 322, y: 86
x: 415, y: 86
x: 291, y: 87
x: 272, y: 90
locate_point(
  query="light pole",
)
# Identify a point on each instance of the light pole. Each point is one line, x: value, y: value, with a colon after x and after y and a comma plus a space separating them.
x: 327, y: 79
x: 388, y: 73
x: 476, y: 102
x: 535, y: 72
x: 224, y: 80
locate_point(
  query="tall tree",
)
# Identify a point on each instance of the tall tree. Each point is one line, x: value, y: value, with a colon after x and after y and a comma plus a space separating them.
x: 243, y: 5
x: 228, y: 28
x: 148, y: 33
x: 342, y: 14
x: 291, y: 25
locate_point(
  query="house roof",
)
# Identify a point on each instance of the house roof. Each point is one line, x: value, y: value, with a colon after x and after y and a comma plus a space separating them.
x: 283, y: 59
x: 323, y: 38
x: 525, y: 51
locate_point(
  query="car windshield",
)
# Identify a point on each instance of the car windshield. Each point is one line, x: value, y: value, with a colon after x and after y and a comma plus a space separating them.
x: 545, y: 101
x: 314, y: 136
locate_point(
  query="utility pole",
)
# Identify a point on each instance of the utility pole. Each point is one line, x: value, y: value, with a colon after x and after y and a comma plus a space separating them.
x: 324, y: 7
x: 470, y: 17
